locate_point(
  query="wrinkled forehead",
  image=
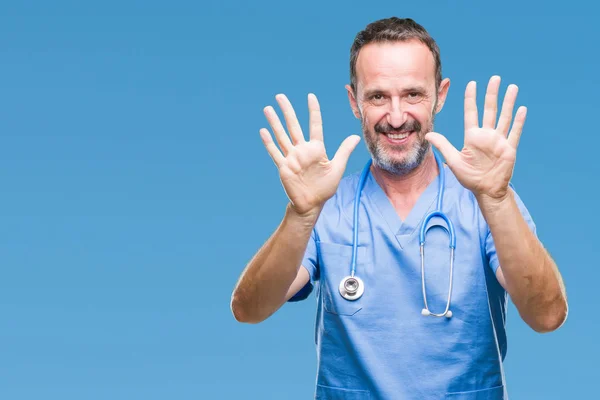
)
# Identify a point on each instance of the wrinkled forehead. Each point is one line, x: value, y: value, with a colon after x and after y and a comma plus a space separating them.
x: 395, y: 66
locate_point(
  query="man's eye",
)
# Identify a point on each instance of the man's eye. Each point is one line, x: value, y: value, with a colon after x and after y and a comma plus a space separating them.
x: 377, y: 97
x: 414, y: 96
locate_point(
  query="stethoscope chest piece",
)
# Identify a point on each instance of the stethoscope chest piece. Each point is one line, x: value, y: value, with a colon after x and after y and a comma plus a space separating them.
x: 352, y: 288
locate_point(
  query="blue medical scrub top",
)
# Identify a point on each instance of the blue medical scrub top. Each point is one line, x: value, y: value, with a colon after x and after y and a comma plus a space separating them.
x: 380, y: 346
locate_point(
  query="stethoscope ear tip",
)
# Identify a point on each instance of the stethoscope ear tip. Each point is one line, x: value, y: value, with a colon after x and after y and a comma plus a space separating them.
x: 426, y: 313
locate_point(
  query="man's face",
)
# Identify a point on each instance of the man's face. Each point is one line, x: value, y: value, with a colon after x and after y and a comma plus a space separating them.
x: 396, y: 101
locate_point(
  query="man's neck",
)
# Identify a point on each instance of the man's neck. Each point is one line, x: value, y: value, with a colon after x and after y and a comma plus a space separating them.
x: 404, y: 190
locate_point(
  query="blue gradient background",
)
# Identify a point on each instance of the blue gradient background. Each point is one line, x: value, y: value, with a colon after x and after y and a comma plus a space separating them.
x: 135, y: 187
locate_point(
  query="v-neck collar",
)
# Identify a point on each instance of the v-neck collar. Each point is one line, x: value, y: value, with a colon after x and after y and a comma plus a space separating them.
x: 402, y: 230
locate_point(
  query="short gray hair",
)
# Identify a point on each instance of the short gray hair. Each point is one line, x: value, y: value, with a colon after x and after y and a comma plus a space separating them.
x: 394, y: 30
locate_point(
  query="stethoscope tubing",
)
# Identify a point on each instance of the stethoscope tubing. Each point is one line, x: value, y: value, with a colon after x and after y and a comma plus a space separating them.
x: 361, y: 185
x: 358, y: 286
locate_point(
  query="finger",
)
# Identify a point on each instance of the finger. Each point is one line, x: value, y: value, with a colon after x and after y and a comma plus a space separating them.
x: 273, y: 151
x: 282, y: 138
x: 471, y: 117
x: 340, y: 159
x: 290, y: 119
x: 508, y: 106
x: 316, y: 122
x: 444, y: 146
x: 490, y: 109
x: 515, y: 132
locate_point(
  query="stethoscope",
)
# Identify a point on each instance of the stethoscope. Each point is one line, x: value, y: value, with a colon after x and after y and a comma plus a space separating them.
x: 352, y: 287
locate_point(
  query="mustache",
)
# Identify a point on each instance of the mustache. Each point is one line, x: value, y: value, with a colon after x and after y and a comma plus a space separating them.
x: 412, y: 125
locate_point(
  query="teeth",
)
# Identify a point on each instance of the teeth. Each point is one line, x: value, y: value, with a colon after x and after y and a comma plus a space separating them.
x: 397, y: 135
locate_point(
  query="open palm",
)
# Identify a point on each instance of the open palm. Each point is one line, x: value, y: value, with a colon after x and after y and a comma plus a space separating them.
x: 485, y: 164
x: 308, y: 176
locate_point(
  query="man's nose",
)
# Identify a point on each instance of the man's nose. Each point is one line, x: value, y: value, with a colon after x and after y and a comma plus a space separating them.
x: 396, y: 116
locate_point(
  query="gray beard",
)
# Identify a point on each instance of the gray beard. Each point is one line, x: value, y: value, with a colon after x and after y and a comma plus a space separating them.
x: 381, y: 159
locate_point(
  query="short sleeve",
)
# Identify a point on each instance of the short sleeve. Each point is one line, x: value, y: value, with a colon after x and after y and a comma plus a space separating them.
x: 309, y: 261
x: 490, y: 246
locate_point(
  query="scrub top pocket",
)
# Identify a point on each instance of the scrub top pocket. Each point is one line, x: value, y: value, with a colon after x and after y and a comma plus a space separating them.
x: 331, y: 393
x: 335, y: 262
x: 495, y: 393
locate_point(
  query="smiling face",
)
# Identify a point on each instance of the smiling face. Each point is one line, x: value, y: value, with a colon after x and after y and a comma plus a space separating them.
x: 396, y: 100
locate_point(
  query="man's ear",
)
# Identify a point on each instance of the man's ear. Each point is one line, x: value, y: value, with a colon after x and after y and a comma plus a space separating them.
x: 353, y: 102
x: 442, y: 93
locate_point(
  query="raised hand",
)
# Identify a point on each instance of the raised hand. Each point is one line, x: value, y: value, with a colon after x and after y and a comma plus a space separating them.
x: 308, y: 176
x: 485, y: 164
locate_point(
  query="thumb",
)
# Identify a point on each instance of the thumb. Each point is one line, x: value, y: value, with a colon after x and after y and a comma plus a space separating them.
x: 443, y: 145
x: 340, y: 159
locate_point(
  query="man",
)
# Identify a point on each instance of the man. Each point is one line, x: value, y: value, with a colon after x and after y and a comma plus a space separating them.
x: 385, y: 343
